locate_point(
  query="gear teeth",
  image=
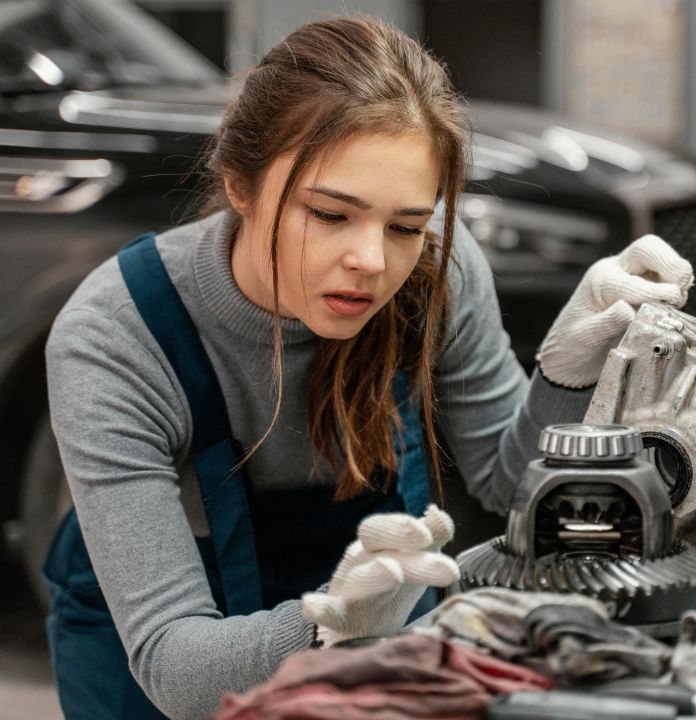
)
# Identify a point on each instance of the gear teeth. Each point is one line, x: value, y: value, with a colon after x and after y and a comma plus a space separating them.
x: 606, y: 577
x: 644, y: 582
x: 470, y: 561
x: 534, y: 576
x: 516, y: 574
x: 628, y: 585
x: 575, y: 582
x: 637, y: 588
x: 503, y: 578
x: 489, y: 567
x: 660, y: 579
x: 507, y: 562
x: 595, y: 587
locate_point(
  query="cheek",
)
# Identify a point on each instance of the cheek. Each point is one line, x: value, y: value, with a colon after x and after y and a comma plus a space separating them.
x: 403, y: 262
x: 305, y: 256
x: 298, y: 259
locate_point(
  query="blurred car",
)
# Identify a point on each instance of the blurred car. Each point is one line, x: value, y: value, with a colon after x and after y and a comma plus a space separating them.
x: 103, y: 113
x: 549, y: 196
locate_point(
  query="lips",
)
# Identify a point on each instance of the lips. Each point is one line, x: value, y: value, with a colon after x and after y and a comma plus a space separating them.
x: 349, y: 304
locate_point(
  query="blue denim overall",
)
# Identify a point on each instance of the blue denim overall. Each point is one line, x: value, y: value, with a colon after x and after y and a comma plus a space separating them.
x: 247, y: 568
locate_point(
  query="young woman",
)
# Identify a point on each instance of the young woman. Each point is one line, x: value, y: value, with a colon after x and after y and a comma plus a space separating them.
x: 233, y: 397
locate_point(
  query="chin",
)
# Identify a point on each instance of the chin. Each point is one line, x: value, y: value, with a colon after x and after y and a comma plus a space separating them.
x: 336, y: 330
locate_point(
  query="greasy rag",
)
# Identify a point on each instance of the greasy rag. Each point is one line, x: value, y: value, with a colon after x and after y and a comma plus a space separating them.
x: 566, y: 637
x: 684, y: 655
x: 575, y: 643
x: 415, y: 676
x: 493, y: 618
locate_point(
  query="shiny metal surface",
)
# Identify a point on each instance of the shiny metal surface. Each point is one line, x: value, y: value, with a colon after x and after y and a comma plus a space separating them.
x: 592, y: 517
x: 639, y: 592
x: 648, y: 382
x: 590, y: 443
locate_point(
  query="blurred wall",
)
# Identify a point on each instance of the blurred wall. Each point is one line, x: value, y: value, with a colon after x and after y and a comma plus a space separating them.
x: 202, y: 23
x: 234, y: 34
x: 493, y: 47
x: 257, y: 25
x: 620, y: 64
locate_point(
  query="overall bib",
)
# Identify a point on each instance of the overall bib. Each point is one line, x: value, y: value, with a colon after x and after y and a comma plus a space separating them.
x: 247, y: 568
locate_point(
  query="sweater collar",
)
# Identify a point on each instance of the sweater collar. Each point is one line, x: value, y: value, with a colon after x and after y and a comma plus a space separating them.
x: 223, y: 296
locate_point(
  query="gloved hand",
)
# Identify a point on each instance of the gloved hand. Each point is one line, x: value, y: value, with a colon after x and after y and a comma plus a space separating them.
x: 382, y: 575
x: 604, y: 303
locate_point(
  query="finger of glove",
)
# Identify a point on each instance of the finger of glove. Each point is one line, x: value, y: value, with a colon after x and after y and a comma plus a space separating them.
x: 354, y: 555
x: 636, y: 290
x: 440, y: 524
x: 378, y: 577
x: 429, y: 568
x: 326, y: 610
x: 574, y: 352
x: 651, y: 254
x: 394, y: 531
x: 596, y: 329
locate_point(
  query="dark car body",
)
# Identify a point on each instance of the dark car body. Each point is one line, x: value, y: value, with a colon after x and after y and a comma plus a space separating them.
x: 577, y: 194
x: 103, y: 115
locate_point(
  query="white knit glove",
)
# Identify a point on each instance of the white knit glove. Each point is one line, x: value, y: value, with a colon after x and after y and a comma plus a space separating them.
x: 382, y: 575
x: 604, y: 303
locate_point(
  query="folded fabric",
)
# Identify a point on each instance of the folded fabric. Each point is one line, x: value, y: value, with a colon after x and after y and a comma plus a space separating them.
x: 684, y: 655
x: 576, y: 643
x: 493, y: 618
x: 566, y: 637
x: 416, y: 676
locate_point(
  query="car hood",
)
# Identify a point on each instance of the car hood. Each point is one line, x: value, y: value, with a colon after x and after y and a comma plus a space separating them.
x: 508, y: 138
x: 538, y: 156
x: 161, y: 109
x: 546, y: 148
x: 518, y: 151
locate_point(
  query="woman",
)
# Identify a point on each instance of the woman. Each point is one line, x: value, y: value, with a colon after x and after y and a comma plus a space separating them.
x: 233, y: 397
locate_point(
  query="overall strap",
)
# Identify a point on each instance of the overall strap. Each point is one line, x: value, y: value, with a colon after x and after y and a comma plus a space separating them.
x: 413, y: 483
x: 222, y: 487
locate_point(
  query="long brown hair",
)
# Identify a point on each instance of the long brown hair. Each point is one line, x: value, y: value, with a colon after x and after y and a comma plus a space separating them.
x: 325, y: 82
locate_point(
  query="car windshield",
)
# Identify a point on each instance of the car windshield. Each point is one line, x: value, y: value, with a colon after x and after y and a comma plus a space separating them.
x: 90, y: 44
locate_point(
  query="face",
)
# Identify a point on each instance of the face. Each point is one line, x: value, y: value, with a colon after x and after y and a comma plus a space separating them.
x: 350, y: 234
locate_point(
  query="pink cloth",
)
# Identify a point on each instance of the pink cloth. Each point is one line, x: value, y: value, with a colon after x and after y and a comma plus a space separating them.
x: 411, y: 676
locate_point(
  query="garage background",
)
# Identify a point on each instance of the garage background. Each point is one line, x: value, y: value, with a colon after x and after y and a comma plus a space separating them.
x: 628, y: 65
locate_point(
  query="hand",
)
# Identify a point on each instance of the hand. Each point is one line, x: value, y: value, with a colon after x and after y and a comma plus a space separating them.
x: 382, y: 576
x: 604, y: 303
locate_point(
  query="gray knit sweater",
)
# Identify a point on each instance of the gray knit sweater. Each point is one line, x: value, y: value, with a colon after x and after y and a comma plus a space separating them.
x: 124, y: 432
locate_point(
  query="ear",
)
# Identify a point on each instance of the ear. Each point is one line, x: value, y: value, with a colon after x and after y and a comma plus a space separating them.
x: 237, y: 201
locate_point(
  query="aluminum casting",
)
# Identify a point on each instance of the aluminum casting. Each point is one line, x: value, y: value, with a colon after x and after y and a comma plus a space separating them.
x: 647, y: 382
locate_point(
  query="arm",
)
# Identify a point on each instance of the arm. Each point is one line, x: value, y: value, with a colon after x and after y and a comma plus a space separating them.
x: 488, y: 411
x: 121, y: 419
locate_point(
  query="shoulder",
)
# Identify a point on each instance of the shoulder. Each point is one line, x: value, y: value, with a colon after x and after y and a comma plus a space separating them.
x: 104, y: 291
x: 469, y: 274
x: 102, y: 298
x: 100, y: 339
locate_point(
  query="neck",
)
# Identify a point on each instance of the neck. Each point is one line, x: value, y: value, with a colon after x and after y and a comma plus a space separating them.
x: 247, y: 271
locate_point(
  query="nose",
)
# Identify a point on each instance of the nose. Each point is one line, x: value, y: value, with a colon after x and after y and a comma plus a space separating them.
x: 366, y: 253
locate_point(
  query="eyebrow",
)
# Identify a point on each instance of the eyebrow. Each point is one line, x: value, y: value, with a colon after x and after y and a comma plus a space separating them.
x: 364, y: 205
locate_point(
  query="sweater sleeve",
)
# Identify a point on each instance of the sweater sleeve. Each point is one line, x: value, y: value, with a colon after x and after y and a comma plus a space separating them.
x: 489, y: 412
x: 120, y: 418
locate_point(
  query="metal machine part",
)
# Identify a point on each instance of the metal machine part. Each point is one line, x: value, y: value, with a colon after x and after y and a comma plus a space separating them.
x: 647, y: 382
x: 592, y: 516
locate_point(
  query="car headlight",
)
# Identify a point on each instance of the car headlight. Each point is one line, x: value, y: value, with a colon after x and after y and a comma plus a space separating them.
x: 55, y: 185
x: 519, y: 237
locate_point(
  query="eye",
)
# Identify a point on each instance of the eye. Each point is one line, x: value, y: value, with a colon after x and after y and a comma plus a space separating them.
x: 404, y: 230
x: 325, y: 216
